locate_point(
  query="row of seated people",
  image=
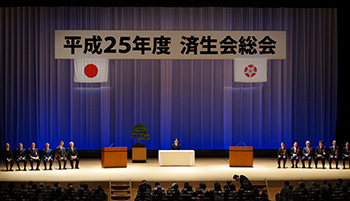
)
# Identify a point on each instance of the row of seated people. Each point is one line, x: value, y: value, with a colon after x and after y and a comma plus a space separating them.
x: 34, y: 192
x: 47, y: 155
x: 315, y: 192
x: 307, y: 154
x: 187, y: 193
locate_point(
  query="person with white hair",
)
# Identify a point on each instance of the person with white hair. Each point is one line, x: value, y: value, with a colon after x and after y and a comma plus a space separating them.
x: 307, y: 154
x: 73, y: 156
x: 48, y: 156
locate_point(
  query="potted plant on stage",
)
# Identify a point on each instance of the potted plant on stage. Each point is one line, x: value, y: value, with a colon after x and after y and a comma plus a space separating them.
x: 139, y: 151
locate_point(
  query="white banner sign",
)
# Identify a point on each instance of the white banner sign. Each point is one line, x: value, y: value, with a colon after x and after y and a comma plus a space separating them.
x: 109, y: 44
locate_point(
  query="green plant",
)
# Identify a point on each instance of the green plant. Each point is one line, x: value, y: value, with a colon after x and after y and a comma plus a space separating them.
x: 139, y: 131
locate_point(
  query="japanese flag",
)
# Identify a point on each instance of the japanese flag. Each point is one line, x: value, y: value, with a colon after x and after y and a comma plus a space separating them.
x: 90, y: 70
x: 250, y: 70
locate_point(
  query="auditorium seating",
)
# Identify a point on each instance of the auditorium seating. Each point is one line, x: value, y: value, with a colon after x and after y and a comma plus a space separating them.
x: 315, y: 192
x: 34, y: 192
x: 201, y: 195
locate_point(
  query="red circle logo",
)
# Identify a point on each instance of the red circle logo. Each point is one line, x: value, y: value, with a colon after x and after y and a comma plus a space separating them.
x: 91, y: 70
x: 250, y: 70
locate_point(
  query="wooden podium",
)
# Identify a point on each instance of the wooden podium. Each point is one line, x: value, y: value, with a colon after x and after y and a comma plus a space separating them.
x: 241, y: 156
x: 114, y: 157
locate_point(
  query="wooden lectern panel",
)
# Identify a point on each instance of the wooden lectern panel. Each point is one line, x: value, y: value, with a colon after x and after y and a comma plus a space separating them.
x: 114, y: 157
x: 241, y: 156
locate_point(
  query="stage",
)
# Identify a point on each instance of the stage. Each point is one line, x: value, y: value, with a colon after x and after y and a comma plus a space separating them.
x: 205, y: 169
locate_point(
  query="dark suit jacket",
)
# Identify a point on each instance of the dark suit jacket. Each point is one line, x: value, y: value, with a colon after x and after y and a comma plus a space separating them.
x: 7, y: 154
x: 321, y: 150
x: 144, y: 187
x: 294, y: 150
x: 345, y: 151
x: 47, y: 154
x: 175, y: 147
x: 71, y: 152
x: 334, y: 151
x: 61, y: 152
x: 282, y: 152
x: 33, y: 153
x: 21, y: 154
x: 307, y: 150
x: 244, y: 181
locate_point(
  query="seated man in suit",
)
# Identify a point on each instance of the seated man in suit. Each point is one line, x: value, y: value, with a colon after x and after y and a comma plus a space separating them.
x: 307, y: 154
x: 333, y: 154
x: 320, y: 154
x: 21, y: 156
x: 229, y: 186
x: 48, y: 156
x: 61, y: 155
x: 294, y: 154
x: 346, y: 154
x: 176, y: 145
x: 73, y: 155
x: 244, y: 181
x: 144, y: 187
x: 8, y: 157
x: 33, y: 156
x: 282, y: 155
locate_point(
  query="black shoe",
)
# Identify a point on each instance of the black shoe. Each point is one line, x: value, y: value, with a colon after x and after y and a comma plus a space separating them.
x: 279, y: 167
x: 292, y: 166
x: 37, y: 169
x: 50, y: 169
x: 76, y: 167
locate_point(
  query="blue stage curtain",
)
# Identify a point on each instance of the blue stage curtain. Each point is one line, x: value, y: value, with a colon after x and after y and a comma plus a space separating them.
x: 194, y: 100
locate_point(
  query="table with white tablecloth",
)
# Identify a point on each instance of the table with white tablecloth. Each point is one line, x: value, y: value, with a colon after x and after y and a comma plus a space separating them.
x: 176, y: 157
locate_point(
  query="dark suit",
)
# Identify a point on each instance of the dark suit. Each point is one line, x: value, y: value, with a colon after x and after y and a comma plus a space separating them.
x: 175, y: 147
x: 306, y: 151
x: 346, y: 151
x: 21, y: 157
x: 143, y: 187
x: 230, y: 187
x: 33, y: 156
x: 282, y: 155
x: 320, y: 151
x: 73, y: 152
x: 8, y: 155
x: 333, y: 156
x: 61, y: 153
x: 296, y: 151
x: 48, y: 156
x: 245, y: 183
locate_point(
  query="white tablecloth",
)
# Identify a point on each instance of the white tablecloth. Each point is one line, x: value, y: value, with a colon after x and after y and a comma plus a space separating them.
x: 176, y: 157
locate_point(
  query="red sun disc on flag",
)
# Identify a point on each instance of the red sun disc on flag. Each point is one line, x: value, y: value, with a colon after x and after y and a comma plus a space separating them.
x: 90, y: 70
x: 250, y: 70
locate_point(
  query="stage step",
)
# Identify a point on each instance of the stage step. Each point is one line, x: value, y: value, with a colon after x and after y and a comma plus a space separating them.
x: 120, y: 191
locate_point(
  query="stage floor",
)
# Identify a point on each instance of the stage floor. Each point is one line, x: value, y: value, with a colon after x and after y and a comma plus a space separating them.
x: 205, y: 169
